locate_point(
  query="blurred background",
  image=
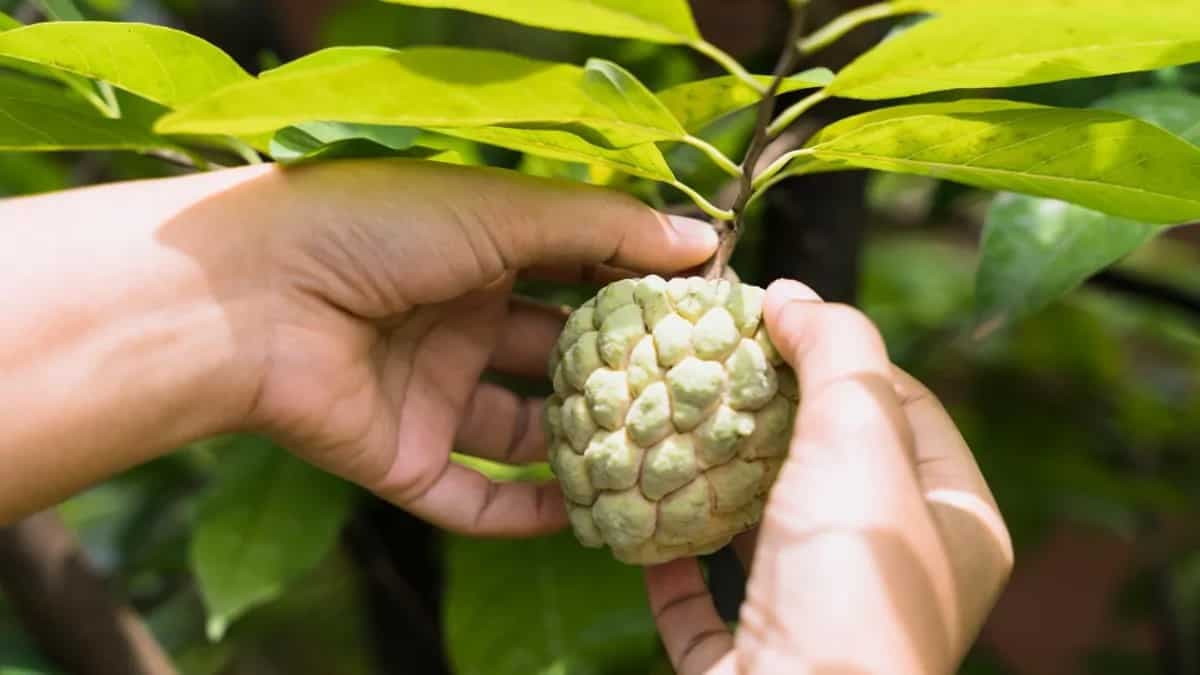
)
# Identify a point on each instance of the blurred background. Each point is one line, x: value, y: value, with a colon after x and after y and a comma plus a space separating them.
x: 1084, y: 416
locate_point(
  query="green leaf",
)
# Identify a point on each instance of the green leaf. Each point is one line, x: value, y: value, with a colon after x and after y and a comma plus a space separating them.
x: 665, y: 21
x: 327, y: 58
x: 1003, y: 48
x: 628, y: 98
x: 31, y: 173
x: 325, y: 140
x: 1175, y: 110
x: 698, y: 104
x: 80, y: 84
x: 40, y: 116
x: 161, y: 64
x: 435, y: 87
x: 644, y: 160
x: 1097, y: 159
x: 268, y: 521
x: 600, y: 77
x: 313, y: 140
x: 1138, y: 6
x: 1034, y: 251
x: 563, y: 606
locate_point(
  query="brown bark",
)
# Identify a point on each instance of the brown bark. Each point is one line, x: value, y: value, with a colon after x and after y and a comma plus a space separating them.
x: 65, y: 606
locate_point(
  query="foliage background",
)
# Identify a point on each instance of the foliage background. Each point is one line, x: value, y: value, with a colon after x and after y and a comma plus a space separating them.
x: 1083, y: 416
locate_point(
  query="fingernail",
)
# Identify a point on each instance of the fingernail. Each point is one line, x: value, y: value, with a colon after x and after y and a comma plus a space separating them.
x: 696, y: 230
x: 786, y: 290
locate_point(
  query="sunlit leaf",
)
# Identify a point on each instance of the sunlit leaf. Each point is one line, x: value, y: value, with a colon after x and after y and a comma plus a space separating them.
x: 269, y: 519
x: 1002, y: 48
x: 161, y: 64
x: 945, y: 6
x: 432, y: 87
x: 1035, y: 250
x: 333, y: 57
x: 7, y: 22
x: 644, y: 160
x: 698, y: 104
x: 668, y: 21
x: 40, y: 116
x: 563, y: 606
x: 1098, y: 159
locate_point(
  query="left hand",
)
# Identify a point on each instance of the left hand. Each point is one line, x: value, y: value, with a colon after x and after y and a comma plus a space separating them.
x: 392, y: 297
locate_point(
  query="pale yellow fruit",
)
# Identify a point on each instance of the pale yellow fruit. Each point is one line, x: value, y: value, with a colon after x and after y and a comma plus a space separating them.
x: 671, y: 416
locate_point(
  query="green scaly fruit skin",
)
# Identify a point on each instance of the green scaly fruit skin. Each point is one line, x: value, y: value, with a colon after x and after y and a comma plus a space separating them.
x: 671, y: 416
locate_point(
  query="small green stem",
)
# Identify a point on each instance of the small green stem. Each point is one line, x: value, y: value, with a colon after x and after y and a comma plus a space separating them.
x: 776, y: 167
x: 836, y: 29
x: 706, y: 206
x: 765, y: 188
x: 109, y: 96
x: 793, y: 113
x: 728, y: 63
x: 243, y: 149
x: 727, y: 165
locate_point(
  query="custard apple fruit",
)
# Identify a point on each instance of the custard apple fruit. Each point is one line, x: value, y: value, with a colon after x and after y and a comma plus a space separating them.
x: 671, y: 416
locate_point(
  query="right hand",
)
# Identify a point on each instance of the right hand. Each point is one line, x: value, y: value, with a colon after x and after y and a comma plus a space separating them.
x: 881, y: 549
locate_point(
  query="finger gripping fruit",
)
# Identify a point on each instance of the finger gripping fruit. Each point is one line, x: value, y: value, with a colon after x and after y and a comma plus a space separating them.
x: 671, y: 416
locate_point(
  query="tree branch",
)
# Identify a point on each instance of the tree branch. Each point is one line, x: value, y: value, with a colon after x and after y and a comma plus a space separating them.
x: 731, y: 232
x: 66, y: 607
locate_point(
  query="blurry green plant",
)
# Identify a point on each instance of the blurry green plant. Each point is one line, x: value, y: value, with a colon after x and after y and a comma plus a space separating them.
x: 1095, y: 154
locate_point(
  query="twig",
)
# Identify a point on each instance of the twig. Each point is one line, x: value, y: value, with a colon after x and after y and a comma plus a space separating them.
x: 66, y: 607
x: 731, y: 232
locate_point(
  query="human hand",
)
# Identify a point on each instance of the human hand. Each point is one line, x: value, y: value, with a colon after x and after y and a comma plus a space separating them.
x: 391, y: 295
x: 881, y: 549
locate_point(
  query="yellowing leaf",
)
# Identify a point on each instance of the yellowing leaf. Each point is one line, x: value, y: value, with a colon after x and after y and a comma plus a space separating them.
x: 161, y: 64
x: 1008, y: 47
x: 1098, y: 159
x: 434, y: 87
x: 665, y: 21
